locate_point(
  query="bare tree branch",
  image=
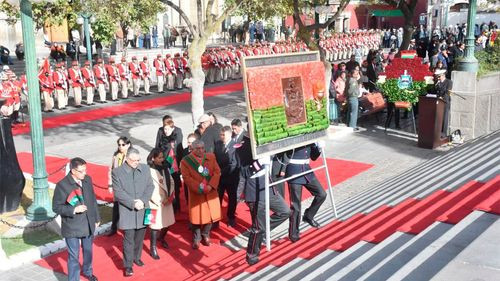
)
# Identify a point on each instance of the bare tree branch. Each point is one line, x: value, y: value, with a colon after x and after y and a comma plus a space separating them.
x: 181, y: 13
x: 341, y: 8
x: 228, y: 11
x: 201, y: 29
x: 208, y: 12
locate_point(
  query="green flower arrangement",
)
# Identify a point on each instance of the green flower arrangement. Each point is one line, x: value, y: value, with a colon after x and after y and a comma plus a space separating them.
x: 391, y: 90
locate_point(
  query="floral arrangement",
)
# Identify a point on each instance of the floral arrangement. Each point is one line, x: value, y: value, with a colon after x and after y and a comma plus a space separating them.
x: 393, y: 72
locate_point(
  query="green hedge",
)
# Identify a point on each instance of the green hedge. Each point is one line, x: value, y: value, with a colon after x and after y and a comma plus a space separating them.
x: 270, y: 124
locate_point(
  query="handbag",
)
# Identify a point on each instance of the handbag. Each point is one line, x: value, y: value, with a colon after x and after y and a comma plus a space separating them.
x: 149, y: 216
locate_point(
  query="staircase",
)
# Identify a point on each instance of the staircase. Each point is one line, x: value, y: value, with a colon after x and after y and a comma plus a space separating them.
x: 412, y: 227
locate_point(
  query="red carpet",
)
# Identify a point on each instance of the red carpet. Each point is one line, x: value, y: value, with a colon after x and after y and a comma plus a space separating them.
x: 180, y: 261
x: 131, y: 107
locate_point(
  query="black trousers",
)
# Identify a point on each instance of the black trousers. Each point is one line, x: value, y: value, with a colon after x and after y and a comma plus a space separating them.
x: 392, y: 111
x: 115, y: 216
x: 231, y: 189
x: 446, y: 118
x: 201, y: 230
x: 177, y: 190
x: 133, y: 240
x: 315, y: 188
x: 280, y: 188
x: 281, y: 212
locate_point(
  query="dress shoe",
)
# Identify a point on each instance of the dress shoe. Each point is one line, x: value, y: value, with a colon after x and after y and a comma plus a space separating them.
x: 196, y: 245
x: 139, y: 263
x: 231, y: 223
x: 205, y: 241
x: 252, y: 261
x: 311, y: 222
x: 113, y: 232
x: 92, y: 278
x: 128, y: 272
x: 294, y: 238
x: 164, y: 244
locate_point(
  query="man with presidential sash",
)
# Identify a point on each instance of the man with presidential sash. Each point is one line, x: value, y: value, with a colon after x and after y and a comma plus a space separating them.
x: 201, y: 176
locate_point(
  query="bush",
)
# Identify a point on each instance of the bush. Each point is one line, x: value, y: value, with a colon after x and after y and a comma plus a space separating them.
x: 489, y: 59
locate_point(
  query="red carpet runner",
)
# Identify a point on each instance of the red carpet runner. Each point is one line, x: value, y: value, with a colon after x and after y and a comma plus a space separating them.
x: 126, y: 108
x: 180, y: 261
x: 215, y: 262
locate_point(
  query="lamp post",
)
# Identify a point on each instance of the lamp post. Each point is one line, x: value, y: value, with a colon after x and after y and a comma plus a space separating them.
x: 41, y: 208
x: 85, y: 18
x: 469, y: 63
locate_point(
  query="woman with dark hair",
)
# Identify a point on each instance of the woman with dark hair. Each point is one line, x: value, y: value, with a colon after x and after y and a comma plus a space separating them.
x: 161, y: 201
x: 118, y: 159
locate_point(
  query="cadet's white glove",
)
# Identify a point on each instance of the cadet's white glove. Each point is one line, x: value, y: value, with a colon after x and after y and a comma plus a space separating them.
x: 320, y: 144
x: 265, y: 160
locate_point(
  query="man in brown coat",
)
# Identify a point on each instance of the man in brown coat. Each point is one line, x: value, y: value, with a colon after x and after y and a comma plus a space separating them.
x: 201, y: 176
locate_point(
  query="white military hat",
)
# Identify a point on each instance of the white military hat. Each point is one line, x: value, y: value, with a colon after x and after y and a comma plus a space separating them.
x: 440, y: 72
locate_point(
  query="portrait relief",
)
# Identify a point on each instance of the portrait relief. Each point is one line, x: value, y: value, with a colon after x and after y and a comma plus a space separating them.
x: 293, y: 96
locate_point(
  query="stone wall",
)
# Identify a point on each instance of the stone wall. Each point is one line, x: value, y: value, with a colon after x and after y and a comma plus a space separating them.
x: 479, y: 113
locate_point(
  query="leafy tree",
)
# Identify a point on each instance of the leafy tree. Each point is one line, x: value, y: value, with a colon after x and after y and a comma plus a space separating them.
x: 407, y: 7
x: 208, y: 21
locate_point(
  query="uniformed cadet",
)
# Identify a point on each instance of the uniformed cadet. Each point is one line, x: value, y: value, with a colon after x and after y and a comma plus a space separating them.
x: 252, y: 185
x: 146, y: 74
x: 61, y: 85
x: 75, y: 76
x: 124, y: 77
x: 135, y: 71
x: 299, y: 162
x: 101, y: 79
x: 159, y: 66
x: 89, y: 84
x: 179, y: 67
x: 114, y: 78
x: 47, y: 85
x: 171, y: 72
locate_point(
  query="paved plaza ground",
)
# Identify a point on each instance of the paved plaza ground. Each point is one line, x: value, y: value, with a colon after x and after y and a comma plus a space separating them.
x: 390, y: 152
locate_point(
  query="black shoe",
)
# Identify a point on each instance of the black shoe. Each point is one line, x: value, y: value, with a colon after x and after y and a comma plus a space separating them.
x: 113, y: 232
x: 91, y: 278
x: 196, y: 245
x: 139, y: 263
x: 294, y: 238
x: 398, y: 127
x: 104, y: 101
x: 50, y: 110
x: 164, y: 244
x: 356, y: 129
x: 128, y: 272
x: 78, y: 106
x: 252, y: 261
x: 205, y: 241
x: 231, y: 222
x: 311, y: 222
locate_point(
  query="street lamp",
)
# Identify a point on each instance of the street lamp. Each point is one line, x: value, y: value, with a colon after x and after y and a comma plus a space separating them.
x: 41, y: 208
x: 84, y: 19
x: 469, y: 63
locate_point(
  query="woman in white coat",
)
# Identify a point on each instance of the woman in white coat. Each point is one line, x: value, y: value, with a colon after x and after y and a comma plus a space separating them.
x: 161, y: 201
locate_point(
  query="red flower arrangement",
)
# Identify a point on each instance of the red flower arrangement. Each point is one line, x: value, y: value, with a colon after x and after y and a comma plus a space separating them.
x: 414, y: 66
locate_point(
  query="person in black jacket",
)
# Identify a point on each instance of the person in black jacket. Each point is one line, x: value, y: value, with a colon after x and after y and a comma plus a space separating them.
x: 225, y: 156
x: 74, y: 200
x: 252, y: 186
x: 208, y: 132
x: 169, y: 140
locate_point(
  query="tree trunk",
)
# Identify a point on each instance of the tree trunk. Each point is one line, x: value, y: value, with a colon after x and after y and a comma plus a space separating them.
x: 197, y: 81
x: 407, y: 32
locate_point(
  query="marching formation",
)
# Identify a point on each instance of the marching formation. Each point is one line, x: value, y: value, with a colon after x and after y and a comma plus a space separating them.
x: 340, y: 46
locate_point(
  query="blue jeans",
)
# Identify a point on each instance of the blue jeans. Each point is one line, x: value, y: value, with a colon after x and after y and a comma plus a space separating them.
x: 155, y: 41
x: 333, y: 110
x: 352, y: 114
x: 73, y: 245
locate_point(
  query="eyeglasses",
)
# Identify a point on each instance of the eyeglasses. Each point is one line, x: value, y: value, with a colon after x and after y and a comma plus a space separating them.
x: 122, y: 144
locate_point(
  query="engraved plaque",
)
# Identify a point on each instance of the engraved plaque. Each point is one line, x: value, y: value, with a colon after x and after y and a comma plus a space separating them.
x: 293, y: 95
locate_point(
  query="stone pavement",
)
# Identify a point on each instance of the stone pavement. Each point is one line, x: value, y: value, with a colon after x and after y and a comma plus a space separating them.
x: 391, y: 153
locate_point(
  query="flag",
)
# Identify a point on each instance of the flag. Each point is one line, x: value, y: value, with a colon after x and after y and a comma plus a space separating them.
x: 149, y: 216
x: 172, y: 161
x: 45, y: 67
x: 75, y: 197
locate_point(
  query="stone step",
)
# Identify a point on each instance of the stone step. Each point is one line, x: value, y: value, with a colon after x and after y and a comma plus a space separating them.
x: 308, y: 266
x: 428, y: 262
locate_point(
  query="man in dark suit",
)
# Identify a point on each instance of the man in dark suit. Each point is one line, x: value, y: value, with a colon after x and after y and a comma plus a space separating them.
x: 352, y: 64
x: 252, y: 186
x: 442, y: 88
x: 74, y: 200
x: 298, y: 163
x: 133, y: 187
x: 371, y: 73
x: 238, y: 131
x: 225, y: 156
